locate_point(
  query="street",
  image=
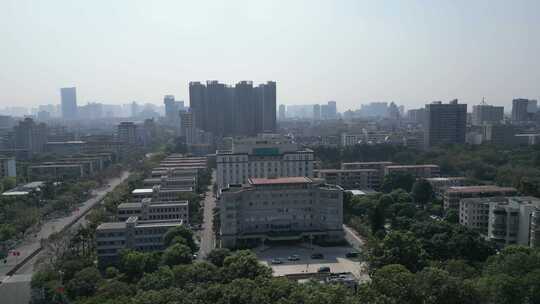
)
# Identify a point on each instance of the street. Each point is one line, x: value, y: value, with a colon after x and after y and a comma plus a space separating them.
x: 207, y: 234
x: 16, y: 288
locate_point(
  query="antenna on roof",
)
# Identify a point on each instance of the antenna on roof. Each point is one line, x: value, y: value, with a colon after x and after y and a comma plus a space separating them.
x: 483, y: 101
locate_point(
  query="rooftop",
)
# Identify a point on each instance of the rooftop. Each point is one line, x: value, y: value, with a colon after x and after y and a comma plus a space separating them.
x: 411, y: 166
x: 345, y: 170
x: 142, y: 191
x: 440, y: 179
x: 130, y: 205
x: 280, y: 180
x: 472, y: 189
x: 112, y: 225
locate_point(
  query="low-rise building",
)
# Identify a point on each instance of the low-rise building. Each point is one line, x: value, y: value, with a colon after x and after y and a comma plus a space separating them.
x: 287, y: 208
x: 171, y: 182
x: 56, y: 171
x: 417, y: 171
x: 159, y: 193
x: 146, y: 236
x: 352, y: 178
x: 151, y: 210
x: 440, y: 184
x: 453, y: 195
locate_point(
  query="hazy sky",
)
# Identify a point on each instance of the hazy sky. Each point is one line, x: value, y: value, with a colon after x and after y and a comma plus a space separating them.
x: 354, y: 52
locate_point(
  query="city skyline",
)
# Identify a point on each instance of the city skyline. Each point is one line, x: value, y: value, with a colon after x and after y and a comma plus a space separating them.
x: 142, y: 51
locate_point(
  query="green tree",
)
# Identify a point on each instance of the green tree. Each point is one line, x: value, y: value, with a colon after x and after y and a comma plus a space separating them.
x: 161, y: 279
x: 395, y: 282
x: 218, y: 255
x: 180, y: 231
x: 397, y: 180
x: 84, y: 283
x: 399, y: 248
x: 177, y: 254
x: 422, y: 192
x: 244, y: 264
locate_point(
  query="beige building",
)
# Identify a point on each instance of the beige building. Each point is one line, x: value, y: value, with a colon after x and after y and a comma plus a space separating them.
x: 287, y: 208
x: 440, y: 184
x: 351, y: 179
x: 263, y: 156
x: 418, y: 171
x: 454, y: 195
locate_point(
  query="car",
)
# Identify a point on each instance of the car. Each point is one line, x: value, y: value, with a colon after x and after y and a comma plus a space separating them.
x: 317, y: 256
x: 195, y: 256
x: 352, y: 254
x: 294, y: 257
x: 323, y: 269
x: 276, y: 261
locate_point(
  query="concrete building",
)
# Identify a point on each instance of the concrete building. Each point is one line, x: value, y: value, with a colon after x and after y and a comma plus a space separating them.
x: 352, y: 139
x: 500, y: 134
x: 187, y: 127
x: 288, y: 208
x: 172, y: 109
x: 171, y: 182
x: 417, y: 171
x: 127, y: 133
x: 445, y: 123
x: 503, y: 220
x: 440, y: 184
x: 262, y: 156
x: 454, y: 195
x: 30, y: 136
x: 65, y: 147
x: 8, y: 167
x: 352, y: 178
x: 151, y: 210
x: 69, y: 103
x: 159, y: 193
x: 416, y: 115
x: 487, y: 114
x: 145, y: 236
x: 520, y: 111
x: 282, y: 112
x: 56, y: 172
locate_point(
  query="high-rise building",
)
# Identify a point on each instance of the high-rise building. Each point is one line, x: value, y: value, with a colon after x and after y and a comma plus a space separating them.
x: 416, y: 115
x: 127, y: 133
x: 316, y: 112
x: 69, y: 103
x: 30, y: 136
x: 239, y: 110
x: 532, y: 106
x: 332, y: 109
x: 484, y: 113
x: 520, y: 110
x: 8, y: 167
x: 445, y: 123
x: 187, y: 126
x: 283, y: 112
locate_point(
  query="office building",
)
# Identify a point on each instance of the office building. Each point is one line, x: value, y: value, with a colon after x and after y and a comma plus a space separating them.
x: 127, y: 133
x: 417, y: 171
x: 134, y: 234
x: 500, y: 134
x: 520, y: 107
x: 30, y: 136
x: 352, y: 139
x: 440, y: 184
x: 453, y: 195
x: 151, y: 210
x: 316, y: 112
x: 69, y: 103
x: 262, y: 156
x: 487, y: 114
x: 445, y: 123
x: 172, y: 110
x: 416, y: 115
x: 187, y: 127
x: 8, y: 167
x: 503, y: 220
x: 283, y: 112
x: 351, y: 179
x: 289, y: 208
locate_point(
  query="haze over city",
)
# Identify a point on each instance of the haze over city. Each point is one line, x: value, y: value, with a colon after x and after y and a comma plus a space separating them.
x: 410, y: 52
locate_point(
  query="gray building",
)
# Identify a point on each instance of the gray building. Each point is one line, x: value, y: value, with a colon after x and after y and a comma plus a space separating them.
x: 8, y: 167
x: 69, y: 103
x: 445, y: 123
x: 148, y: 209
x: 520, y: 111
x: 487, y: 114
x: 283, y: 112
x: 127, y: 133
x: 289, y: 208
x: 31, y: 136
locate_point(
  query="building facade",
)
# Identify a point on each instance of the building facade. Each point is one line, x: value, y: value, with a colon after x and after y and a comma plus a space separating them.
x: 445, y: 123
x: 417, y: 171
x: 127, y: 133
x: 151, y: 210
x: 520, y: 110
x: 262, y: 156
x: 69, y: 103
x: 289, y: 208
x: 453, y: 195
x: 351, y: 179
x: 8, y: 167
x: 487, y: 114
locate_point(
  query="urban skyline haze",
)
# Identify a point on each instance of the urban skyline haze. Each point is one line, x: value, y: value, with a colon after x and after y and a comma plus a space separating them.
x: 410, y: 52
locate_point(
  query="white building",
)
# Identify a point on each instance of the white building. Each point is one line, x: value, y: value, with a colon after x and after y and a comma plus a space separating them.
x: 287, y: 208
x: 111, y: 238
x: 154, y: 210
x: 262, y: 156
x: 8, y: 167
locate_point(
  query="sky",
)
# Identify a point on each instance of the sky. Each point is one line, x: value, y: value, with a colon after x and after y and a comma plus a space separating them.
x: 353, y: 52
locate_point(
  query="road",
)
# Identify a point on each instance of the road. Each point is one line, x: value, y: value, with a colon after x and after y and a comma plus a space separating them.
x: 207, y: 236
x: 16, y: 288
x: 353, y: 238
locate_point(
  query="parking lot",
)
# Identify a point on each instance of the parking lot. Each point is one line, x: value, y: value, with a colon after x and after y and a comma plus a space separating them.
x: 333, y: 257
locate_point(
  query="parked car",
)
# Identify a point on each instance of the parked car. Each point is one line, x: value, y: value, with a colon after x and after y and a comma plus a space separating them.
x: 294, y: 257
x: 276, y: 261
x: 323, y: 269
x: 352, y: 254
x: 317, y: 256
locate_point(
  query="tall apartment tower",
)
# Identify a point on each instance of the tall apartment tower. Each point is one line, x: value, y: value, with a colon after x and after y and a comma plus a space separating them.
x: 30, y: 136
x: 187, y: 126
x: 127, y: 133
x: 197, y: 103
x: 283, y: 112
x: 445, y: 123
x: 69, y: 103
x: 519, y: 110
x: 484, y: 113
